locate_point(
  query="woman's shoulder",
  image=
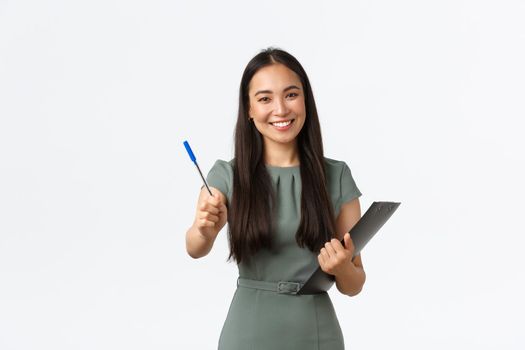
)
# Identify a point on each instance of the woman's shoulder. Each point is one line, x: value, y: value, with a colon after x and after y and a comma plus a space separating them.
x: 337, y: 170
x: 221, y: 176
x: 341, y: 184
x: 335, y: 166
x: 332, y: 162
x: 223, y: 168
x: 224, y: 164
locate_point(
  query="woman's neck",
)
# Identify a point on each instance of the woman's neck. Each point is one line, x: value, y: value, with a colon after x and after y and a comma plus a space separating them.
x: 281, y: 155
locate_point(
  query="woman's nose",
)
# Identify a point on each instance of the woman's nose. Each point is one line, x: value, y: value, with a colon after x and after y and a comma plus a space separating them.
x: 281, y: 108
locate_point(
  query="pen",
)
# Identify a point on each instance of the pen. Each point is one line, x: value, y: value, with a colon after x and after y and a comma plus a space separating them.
x: 194, y: 160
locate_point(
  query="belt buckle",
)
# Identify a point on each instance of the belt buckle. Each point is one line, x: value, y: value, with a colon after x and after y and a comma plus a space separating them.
x: 288, y: 287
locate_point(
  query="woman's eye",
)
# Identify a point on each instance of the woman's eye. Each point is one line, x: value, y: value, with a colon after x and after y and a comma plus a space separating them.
x: 263, y: 99
x: 293, y: 94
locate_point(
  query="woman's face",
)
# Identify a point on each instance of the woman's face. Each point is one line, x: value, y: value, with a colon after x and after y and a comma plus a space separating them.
x: 277, y: 103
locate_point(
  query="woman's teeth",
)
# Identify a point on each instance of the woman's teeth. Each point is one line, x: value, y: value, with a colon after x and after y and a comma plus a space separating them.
x: 281, y: 124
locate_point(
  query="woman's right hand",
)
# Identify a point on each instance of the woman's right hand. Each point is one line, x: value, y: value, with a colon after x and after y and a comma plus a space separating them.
x: 212, y: 213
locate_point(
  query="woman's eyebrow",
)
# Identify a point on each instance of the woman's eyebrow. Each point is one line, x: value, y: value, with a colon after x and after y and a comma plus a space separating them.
x: 270, y: 91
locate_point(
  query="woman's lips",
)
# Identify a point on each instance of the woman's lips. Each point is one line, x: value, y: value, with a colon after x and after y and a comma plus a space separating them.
x: 284, y: 125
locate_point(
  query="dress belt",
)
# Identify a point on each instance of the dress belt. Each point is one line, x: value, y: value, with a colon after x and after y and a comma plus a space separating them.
x: 281, y: 287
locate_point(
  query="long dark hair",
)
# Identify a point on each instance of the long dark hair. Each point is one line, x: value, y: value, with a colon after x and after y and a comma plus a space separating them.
x: 253, y: 199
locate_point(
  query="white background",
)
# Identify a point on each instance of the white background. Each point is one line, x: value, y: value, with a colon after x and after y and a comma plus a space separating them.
x: 423, y: 99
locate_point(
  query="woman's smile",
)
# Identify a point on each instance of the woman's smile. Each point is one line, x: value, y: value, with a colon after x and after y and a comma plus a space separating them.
x: 283, y: 125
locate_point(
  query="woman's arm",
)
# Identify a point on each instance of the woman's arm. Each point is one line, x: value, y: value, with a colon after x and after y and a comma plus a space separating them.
x: 210, y: 218
x: 337, y: 260
x: 351, y: 282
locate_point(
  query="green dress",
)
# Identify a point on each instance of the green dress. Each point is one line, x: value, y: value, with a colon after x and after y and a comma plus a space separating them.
x: 260, y: 319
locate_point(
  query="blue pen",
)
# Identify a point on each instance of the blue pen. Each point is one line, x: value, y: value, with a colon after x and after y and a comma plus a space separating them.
x: 194, y: 160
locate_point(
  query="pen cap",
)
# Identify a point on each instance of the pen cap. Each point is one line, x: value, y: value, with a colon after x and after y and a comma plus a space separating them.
x: 190, y: 152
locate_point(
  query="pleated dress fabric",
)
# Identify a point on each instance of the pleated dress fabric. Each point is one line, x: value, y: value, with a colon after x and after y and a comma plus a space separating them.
x: 263, y: 320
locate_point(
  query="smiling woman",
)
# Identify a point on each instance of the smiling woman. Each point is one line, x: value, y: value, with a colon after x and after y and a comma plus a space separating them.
x: 287, y: 206
x: 278, y: 111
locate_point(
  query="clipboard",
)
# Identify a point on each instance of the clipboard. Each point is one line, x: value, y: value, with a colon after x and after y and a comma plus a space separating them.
x: 362, y: 232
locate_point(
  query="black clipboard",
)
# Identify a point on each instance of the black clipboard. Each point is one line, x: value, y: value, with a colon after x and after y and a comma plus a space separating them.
x: 362, y: 232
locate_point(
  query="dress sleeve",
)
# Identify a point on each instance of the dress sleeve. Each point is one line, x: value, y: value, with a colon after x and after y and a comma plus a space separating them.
x: 349, y: 189
x: 220, y: 176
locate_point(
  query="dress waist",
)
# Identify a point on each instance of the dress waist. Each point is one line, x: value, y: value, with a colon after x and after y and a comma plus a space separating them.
x: 281, y: 287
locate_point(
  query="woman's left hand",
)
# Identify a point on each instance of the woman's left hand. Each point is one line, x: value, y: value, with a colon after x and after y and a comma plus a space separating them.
x: 334, y: 258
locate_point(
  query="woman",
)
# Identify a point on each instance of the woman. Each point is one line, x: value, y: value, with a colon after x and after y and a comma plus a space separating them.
x: 287, y: 208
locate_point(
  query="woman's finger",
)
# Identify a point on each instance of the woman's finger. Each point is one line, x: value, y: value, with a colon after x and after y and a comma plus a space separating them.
x: 321, y: 259
x: 349, y: 244
x: 215, y: 201
x: 207, y: 206
x: 206, y: 223
x: 336, y: 244
x: 330, y: 249
x: 325, y: 254
x: 210, y: 217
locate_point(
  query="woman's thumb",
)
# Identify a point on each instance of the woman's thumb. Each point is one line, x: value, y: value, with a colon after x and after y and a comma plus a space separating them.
x: 347, y: 240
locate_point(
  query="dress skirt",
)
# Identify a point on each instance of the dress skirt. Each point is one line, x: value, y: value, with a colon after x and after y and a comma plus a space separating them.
x: 266, y: 320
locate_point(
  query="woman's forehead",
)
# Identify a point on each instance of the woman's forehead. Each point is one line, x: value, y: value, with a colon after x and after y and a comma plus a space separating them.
x: 274, y: 77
